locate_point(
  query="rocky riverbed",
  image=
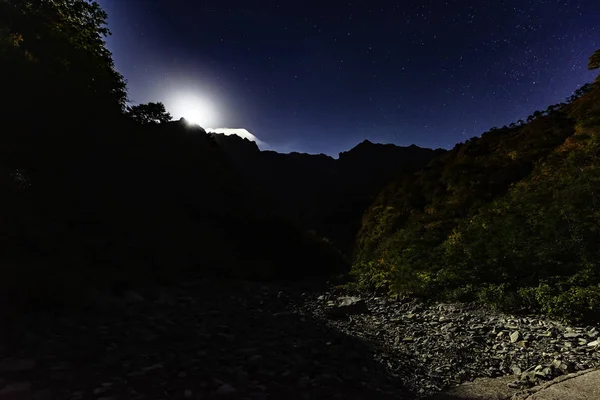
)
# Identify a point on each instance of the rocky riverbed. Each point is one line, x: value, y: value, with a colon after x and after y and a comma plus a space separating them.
x: 433, y: 347
x: 209, y: 339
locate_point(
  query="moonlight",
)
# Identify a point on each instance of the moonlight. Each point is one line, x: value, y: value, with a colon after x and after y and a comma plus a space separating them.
x: 194, y: 109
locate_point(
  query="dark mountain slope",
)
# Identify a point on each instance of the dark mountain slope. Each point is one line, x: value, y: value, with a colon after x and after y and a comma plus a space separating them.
x: 319, y: 192
x: 128, y: 204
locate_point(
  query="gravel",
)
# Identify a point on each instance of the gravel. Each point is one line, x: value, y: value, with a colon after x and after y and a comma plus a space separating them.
x: 212, y: 340
x: 433, y: 347
x: 201, y: 340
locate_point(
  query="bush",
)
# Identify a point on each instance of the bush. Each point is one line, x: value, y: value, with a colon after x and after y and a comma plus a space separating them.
x: 499, y: 297
x: 574, y: 303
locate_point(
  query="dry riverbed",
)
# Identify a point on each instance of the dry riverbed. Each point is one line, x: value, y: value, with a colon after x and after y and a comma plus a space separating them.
x: 208, y: 339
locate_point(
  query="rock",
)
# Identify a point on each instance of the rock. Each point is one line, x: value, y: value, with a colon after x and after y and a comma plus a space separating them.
x: 348, y: 306
x: 226, y: 336
x: 155, y: 367
x: 16, y: 365
x: 225, y: 390
x: 101, y: 390
x: 515, y: 336
x: 303, y: 382
x: 132, y: 297
x: 480, y: 389
x: 528, y: 376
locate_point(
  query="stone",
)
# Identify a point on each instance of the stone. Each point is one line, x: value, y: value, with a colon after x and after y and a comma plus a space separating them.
x: 583, y: 385
x: 349, y: 305
x: 516, y: 370
x: 225, y: 390
x: 479, y: 389
x: 132, y: 297
x: 155, y: 367
x: 303, y: 382
x: 100, y: 390
x: 515, y: 336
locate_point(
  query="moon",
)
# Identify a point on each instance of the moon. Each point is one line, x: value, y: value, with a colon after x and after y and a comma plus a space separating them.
x: 196, y: 110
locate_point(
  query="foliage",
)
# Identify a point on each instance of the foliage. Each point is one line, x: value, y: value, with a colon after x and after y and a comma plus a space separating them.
x: 55, y: 61
x: 498, y: 217
x: 149, y: 113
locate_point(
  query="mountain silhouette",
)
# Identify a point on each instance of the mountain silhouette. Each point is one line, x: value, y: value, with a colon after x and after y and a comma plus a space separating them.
x: 319, y: 192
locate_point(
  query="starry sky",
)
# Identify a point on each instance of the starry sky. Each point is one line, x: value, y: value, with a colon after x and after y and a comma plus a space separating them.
x: 322, y: 76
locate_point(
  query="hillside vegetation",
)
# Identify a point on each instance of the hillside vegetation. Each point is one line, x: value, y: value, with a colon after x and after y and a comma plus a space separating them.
x: 510, y: 218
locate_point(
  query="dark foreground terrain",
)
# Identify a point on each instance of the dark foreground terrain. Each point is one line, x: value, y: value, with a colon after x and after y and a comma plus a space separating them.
x: 204, y: 340
x: 210, y: 339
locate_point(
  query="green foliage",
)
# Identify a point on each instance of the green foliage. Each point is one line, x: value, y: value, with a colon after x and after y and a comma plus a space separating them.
x: 498, y: 218
x: 573, y: 303
x: 499, y: 297
x: 149, y: 113
x: 372, y: 275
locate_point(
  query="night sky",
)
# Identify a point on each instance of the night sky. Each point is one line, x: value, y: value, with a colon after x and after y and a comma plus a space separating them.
x: 320, y: 77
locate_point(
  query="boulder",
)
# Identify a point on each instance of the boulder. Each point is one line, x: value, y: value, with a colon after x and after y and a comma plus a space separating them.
x: 480, y: 389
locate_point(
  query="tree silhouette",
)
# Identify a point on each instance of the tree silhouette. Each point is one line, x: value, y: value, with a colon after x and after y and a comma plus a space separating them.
x: 149, y: 113
x: 594, y: 62
x: 54, y: 59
